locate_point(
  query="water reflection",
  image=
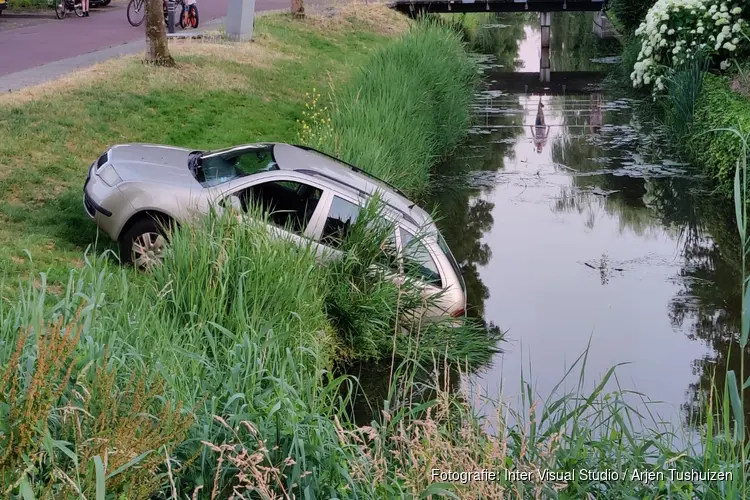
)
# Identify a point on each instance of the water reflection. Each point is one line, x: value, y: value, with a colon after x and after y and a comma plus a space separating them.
x: 597, y: 238
x: 596, y: 235
x: 540, y: 130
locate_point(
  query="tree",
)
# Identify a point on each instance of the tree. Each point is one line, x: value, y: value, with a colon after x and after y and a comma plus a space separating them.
x: 298, y: 8
x: 157, y: 49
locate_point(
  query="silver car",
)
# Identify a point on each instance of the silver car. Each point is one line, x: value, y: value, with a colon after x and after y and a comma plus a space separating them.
x: 134, y: 190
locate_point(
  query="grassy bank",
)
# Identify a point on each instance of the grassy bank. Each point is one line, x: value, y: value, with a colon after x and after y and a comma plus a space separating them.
x: 712, y: 144
x: 219, y: 95
x: 214, y: 373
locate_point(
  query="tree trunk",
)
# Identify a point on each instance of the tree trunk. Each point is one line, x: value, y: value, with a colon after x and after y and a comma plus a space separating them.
x: 298, y: 8
x: 157, y: 49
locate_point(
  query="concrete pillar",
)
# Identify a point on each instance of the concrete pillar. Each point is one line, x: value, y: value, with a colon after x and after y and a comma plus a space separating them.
x: 545, y: 21
x: 544, y: 63
x: 171, y: 14
x: 240, y: 19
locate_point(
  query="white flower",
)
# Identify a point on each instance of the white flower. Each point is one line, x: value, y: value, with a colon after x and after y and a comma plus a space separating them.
x: 730, y: 46
x: 724, y: 65
x: 736, y: 11
x: 700, y: 30
x: 670, y: 32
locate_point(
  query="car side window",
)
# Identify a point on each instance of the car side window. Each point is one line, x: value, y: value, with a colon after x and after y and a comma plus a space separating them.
x: 340, y: 218
x: 417, y: 259
x: 288, y: 204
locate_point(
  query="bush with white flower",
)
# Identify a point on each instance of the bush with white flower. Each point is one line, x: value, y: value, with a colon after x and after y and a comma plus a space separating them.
x: 674, y: 31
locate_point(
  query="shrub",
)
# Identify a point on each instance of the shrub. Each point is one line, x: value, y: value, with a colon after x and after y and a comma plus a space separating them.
x: 712, y: 145
x: 676, y: 30
x: 630, y: 13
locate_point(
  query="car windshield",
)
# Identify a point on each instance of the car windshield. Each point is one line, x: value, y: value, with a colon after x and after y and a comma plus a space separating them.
x: 216, y: 167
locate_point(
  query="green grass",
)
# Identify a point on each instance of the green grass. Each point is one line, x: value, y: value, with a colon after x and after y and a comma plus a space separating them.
x: 712, y: 145
x: 683, y: 88
x: 236, y: 337
x: 29, y: 4
x: 407, y: 108
x: 48, y: 143
x: 216, y: 372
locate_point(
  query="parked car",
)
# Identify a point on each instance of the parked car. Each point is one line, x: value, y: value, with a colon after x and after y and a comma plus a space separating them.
x: 133, y: 191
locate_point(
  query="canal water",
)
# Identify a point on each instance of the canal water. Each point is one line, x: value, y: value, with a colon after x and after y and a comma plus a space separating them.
x: 590, y: 237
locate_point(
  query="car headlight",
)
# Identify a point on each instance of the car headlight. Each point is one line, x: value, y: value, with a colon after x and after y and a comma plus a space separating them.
x: 109, y: 175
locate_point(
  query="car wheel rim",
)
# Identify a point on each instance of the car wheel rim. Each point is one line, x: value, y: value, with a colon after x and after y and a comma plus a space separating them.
x: 148, y: 250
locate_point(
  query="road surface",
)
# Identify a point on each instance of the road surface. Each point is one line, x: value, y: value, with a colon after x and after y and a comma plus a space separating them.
x: 34, y: 39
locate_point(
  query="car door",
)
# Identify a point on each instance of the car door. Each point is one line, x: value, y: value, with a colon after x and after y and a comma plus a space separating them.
x: 292, y: 203
x: 339, y: 213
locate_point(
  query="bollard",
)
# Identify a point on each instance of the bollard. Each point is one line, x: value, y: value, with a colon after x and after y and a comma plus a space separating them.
x: 171, y: 8
x: 240, y: 19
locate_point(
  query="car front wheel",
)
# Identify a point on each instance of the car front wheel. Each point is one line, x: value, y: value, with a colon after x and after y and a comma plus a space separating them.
x: 144, y: 244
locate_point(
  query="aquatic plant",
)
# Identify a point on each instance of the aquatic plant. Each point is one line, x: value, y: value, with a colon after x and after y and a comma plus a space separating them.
x: 674, y: 31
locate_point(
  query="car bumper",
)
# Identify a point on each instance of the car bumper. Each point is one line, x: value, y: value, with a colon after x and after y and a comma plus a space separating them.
x: 98, y: 202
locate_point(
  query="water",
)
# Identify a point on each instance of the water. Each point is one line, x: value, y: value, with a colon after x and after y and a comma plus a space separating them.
x: 593, y: 239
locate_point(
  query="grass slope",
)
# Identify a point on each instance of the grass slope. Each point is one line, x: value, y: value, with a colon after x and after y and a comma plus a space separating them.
x: 220, y: 95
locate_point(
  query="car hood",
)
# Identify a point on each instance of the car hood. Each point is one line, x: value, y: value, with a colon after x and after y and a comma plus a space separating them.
x: 152, y: 163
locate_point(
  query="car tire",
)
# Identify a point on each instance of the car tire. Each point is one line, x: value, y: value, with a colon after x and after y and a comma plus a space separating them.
x: 143, y: 245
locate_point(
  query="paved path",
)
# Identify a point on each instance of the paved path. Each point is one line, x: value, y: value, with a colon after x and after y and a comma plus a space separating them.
x: 31, y: 40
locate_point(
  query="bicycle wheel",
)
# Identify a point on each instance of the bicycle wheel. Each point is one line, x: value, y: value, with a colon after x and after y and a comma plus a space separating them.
x: 136, y: 12
x: 193, y: 15
x: 184, y: 17
x: 60, y: 8
x: 78, y: 9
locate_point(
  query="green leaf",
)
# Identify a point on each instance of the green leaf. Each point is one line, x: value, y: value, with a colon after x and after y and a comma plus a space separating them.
x: 129, y: 464
x: 441, y: 489
x: 734, y: 397
x: 275, y: 408
x: 62, y: 446
x: 746, y: 384
x: 27, y: 492
x: 738, y: 212
x: 745, y: 316
x: 99, y: 467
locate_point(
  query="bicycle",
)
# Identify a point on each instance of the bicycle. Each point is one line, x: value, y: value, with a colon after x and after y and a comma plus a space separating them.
x: 189, y: 14
x: 62, y: 7
x: 136, y: 12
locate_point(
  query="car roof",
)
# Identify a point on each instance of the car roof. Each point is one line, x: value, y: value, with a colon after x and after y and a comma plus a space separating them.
x: 308, y: 161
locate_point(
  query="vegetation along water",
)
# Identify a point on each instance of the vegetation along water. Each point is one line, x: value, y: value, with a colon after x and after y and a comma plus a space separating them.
x: 587, y: 222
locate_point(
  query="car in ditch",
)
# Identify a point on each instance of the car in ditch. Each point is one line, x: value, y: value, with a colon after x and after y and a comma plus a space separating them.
x: 134, y: 191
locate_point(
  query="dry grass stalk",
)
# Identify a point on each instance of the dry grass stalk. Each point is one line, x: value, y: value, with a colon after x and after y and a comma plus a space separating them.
x: 100, y: 417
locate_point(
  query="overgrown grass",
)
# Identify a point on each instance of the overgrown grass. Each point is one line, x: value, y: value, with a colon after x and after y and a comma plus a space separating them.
x: 243, y: 329
x: 406, y: 108
x: 683, y: 88
x: 711, y: 144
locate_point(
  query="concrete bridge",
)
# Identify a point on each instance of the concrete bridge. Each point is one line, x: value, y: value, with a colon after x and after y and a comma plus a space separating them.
x: 601, y: 27
x: 559, y: 83
x: 416, y: 7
